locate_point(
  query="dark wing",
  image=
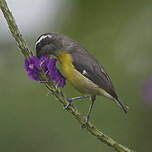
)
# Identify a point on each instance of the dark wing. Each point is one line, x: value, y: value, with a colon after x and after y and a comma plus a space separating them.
x: 83, y: 61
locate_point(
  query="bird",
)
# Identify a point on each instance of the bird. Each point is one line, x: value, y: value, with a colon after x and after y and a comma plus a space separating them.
x: 80, y: 68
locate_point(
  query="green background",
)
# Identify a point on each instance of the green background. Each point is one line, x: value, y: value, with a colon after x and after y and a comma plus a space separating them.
x: 119, y: 34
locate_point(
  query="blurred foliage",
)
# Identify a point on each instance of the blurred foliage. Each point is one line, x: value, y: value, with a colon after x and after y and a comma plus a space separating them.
x: 119, y: 34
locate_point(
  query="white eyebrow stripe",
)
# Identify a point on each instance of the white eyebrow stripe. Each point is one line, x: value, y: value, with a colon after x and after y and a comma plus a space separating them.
x: 43, y: 37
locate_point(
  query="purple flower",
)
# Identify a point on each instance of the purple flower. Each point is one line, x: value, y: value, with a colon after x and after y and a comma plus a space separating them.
x: 34, y: 66
x: 31, y: 65
x: 44, y: 62
x: 147, y: 91
x: 54, y: 74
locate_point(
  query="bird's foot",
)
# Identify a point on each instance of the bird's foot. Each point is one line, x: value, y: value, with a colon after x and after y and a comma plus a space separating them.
x: 68, y: 103
x: 84, y: 125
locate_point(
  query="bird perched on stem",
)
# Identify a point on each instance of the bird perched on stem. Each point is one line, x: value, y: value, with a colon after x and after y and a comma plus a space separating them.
x: 79, y: 67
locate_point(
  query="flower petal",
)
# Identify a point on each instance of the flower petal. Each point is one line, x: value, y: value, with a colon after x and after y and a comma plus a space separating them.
x: 31, y: 66
x: 54, y: 74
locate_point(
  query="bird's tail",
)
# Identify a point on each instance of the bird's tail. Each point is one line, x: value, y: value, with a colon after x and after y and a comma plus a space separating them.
x: 122, y: 105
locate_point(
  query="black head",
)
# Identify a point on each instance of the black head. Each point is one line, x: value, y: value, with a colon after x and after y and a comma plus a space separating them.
x: 48, y: 44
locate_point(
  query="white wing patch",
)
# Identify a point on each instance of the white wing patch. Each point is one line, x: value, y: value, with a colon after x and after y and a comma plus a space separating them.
x: 84, y: 72
x: 43, y: 37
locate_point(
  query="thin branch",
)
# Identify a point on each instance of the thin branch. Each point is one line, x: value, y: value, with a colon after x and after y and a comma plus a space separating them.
x: 55, y: 91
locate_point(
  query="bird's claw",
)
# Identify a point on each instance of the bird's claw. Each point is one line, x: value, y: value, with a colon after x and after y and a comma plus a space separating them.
x: 84, y: 125
x: 68, y: 103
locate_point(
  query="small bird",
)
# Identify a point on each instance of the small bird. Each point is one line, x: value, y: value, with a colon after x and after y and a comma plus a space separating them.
x: 79, y: 67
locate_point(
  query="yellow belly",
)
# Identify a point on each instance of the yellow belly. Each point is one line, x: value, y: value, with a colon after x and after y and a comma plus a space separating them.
x: 80, y: 82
